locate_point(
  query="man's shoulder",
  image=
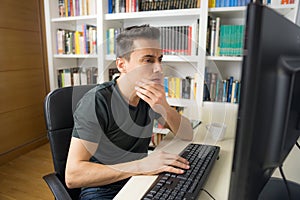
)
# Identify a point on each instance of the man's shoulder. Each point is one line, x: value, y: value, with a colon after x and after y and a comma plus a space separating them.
x: 105, y: 85
x: 100, y: 89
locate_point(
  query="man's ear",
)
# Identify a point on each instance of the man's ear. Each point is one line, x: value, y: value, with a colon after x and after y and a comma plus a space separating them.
x: 121, y: 65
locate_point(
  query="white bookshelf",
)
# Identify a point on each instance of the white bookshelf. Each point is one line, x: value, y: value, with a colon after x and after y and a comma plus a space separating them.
x: 182, y: 65
x: 227, y: 66
x: 232, y: 66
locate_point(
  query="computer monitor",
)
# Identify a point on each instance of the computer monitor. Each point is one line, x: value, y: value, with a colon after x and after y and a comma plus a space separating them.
x: 268, y: 123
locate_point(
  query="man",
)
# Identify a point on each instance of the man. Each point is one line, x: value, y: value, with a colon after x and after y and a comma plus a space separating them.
x: 113, y: 122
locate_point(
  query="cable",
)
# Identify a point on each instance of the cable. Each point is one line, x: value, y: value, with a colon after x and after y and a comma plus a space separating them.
x: 211, y: 196
x: 285, y: 182
x: 297, y: 144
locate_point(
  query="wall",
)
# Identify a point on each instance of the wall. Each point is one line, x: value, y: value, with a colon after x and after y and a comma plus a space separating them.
x: 227, y: 113
x: 23, y: 77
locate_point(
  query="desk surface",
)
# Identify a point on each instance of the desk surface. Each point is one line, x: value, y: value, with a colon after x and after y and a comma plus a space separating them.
x: 218, y: 180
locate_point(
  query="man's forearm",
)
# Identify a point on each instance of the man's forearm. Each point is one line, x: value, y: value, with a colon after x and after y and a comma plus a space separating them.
x: 96, y: 175
x: 179, y: 124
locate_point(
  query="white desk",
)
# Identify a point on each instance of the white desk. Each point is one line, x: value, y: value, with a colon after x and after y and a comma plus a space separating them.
x: 218, y: 180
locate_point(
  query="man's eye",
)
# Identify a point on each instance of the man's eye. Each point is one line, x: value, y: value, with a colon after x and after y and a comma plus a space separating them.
x: 148, y: 60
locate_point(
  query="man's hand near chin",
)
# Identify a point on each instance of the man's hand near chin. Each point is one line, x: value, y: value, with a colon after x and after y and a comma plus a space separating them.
x: 153, y: 93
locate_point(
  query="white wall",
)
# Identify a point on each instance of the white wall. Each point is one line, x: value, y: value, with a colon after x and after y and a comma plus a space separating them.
x: 227, y: 113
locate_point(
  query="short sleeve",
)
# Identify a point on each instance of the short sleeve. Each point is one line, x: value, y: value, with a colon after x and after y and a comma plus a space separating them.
x: 86, y: 125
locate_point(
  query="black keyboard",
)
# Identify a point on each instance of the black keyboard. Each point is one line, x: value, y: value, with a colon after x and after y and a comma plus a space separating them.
x: 188, y: 185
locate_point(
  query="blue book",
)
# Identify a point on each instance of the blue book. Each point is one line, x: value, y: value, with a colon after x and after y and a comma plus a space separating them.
x: 166, y: 86
x: 224, y: 97
x: 236, y: 91
x: 217, y: 89
x: 230, y: 81
x: 110, y: 6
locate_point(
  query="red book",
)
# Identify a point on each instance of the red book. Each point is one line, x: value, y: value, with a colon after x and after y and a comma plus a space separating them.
x: 189, y: 41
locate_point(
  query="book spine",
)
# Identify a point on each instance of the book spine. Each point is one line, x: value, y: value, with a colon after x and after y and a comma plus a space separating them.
x: 166, y: 85
x: 224, y: 98
x: 212, y: 36
x: 61, y: 8
x: 230, y: 82
x: 217, y: 34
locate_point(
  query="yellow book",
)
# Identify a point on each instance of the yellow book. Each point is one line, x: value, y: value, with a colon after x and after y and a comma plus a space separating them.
x: 196, y: 84
x: 77, y: 43
x: 172, y: 87
x: 177, y: 87
x: 212, y: 4
x: 66, y: 7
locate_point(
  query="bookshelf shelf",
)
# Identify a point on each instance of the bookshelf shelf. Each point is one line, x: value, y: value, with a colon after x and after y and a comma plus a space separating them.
x: 75, y: 18
x: 75, y: 56
x: 110, y: 57
x: 193, y: 12
x: 240, y: 12
x: 214, y: 103
x: 228, y: 12
x: 170, y: 58
x: 180, y: 102
x: 224, y: 58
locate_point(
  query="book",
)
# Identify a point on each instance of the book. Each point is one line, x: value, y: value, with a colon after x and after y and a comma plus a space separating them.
x: 61, y: 8
x: 60, y: 36
x: 225, y: 89
x: 212, y: 36
x: 186, y: 88
x: 216, y: 48
x: 229, y: 86
x: 166, y: 85
x: 76, y: 76
x: 213, y: 81
x: 83, y: 76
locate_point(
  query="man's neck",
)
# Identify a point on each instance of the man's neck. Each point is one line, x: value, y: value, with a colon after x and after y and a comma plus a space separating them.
x: 127, y: 90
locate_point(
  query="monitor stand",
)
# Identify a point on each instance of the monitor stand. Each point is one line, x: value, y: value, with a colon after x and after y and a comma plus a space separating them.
x: 275, y: 189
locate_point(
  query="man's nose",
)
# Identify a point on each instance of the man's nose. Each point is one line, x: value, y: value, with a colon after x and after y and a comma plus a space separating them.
x: 157, y: 67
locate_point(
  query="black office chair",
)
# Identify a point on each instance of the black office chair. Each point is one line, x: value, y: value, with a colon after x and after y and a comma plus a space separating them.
x: 58, y: 110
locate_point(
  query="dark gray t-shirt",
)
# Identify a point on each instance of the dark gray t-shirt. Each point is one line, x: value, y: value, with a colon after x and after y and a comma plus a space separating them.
x: 122, y: 132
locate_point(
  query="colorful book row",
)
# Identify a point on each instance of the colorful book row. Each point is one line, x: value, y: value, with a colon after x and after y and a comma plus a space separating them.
x: 70, y: 8
x: 111, y: 36
x: 77, y: 76
x: 218, y: 90
x: 224, y: 40
x: 180, y: 88
x: 174, y: 40
x: 178, y: 40
x: 227, y: 3
x: 77, y: 42
x: 233, y: 3
x: 126, y: 6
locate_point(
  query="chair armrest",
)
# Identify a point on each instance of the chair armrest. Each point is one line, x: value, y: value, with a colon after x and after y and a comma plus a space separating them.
x: 56, y: 187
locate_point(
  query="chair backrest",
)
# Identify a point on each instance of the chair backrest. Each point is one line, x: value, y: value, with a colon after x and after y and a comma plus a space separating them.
x: 58, y: 109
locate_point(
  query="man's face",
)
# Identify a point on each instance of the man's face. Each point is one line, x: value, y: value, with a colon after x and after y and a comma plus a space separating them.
x: 145, y: 61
